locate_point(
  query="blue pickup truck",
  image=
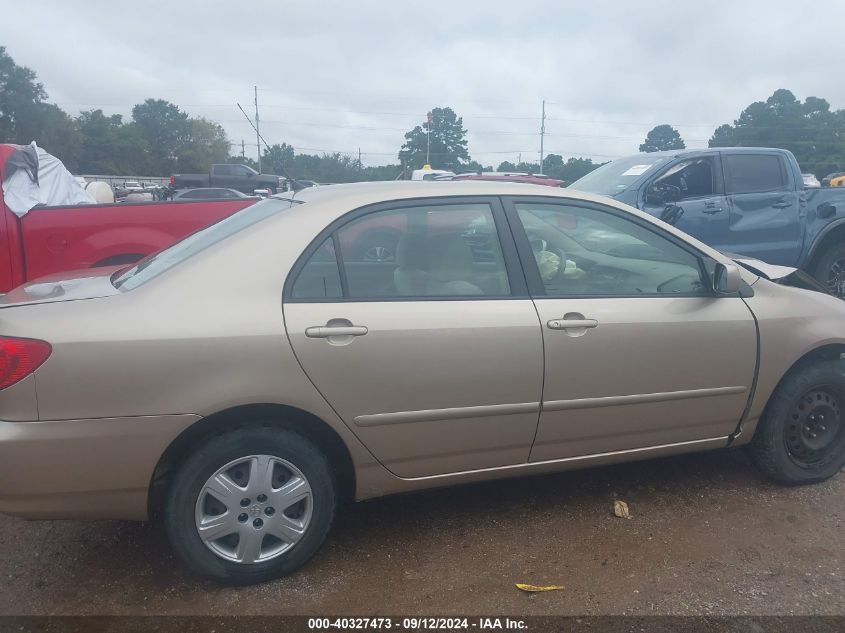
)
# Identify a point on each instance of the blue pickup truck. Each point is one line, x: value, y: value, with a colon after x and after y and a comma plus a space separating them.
x: 750, y: 201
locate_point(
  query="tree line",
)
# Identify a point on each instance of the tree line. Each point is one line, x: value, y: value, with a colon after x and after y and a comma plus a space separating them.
x: 160, y: 138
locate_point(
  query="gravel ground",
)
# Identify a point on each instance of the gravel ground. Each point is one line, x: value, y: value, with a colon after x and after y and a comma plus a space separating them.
x: 708, y: 536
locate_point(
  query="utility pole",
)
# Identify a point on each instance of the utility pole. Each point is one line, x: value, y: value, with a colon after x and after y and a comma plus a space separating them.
x: 243, y: 149
x: 258, y: 127
x: 359, y: 158
x: 428, y: 142
x: 542, y: 134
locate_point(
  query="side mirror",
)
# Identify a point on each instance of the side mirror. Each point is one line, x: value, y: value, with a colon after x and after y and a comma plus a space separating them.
x: 726, y: 279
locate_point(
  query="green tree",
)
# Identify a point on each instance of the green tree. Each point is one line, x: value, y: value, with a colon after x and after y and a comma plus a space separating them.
x: 448, y: 142
x: 57, y: 133
x: 277, y: 158
x: 575, y: 168
x: 165, y: 129
x: 205, y: 144
x: 661, y: 138
x: 474, y: 165
x: 98, y: 141
x: 20, y: 93
x: 810, y: 130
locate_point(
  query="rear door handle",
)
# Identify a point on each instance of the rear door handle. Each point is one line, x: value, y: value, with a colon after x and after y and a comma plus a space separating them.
x: 571, y: 324
x: 324, y: 331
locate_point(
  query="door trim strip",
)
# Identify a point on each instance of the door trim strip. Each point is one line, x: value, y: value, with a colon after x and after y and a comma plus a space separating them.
x: 529, y: 467
x: 454, y: 413
x: 640, y: 398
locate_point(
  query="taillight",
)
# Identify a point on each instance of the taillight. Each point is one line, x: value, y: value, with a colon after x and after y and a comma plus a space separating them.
x: 19, y: 357
x: 172, y: 180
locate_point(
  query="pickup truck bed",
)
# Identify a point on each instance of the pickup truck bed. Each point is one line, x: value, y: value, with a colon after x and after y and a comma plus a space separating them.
x: 52, y: 239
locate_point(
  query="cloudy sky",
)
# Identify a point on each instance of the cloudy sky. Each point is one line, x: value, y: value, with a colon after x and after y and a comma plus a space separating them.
x: 341, y: 75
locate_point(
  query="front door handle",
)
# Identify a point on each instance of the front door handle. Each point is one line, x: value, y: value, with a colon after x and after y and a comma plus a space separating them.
x: 710, y: 208
x: 326, y: 331
x: 571, y: 324
x: 782, y: 204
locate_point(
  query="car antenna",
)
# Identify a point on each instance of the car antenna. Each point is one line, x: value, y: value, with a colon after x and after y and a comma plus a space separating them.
x: 267, y: 145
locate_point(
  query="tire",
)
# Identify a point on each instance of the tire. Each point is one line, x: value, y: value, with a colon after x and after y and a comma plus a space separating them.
x: 801, y: 436
x: 290, y: 459
x: 829, y: 270
x: 377, y: 247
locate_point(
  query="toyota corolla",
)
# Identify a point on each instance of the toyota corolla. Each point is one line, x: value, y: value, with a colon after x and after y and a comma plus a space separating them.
x: 241, y: 383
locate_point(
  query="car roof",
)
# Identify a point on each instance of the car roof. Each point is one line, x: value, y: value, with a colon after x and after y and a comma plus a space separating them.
x: 383, y: 191
x: 681, y: 153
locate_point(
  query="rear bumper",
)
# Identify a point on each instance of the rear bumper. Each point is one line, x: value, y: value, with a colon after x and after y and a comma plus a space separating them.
x: 83, y: 469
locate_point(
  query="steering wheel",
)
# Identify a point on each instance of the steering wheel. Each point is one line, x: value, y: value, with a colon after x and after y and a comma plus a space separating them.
x: 562, y: 255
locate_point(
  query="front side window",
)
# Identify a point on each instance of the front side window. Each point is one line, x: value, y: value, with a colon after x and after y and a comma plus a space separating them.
x: 689, y: 179
x: 586, y: 252
x: 754, y: 173
x: 427, y: 251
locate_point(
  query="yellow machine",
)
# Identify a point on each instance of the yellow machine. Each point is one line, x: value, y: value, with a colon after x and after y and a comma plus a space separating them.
x: 838, y: 181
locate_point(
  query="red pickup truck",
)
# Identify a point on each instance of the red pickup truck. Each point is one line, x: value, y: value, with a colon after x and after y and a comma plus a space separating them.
x: 47, y: 240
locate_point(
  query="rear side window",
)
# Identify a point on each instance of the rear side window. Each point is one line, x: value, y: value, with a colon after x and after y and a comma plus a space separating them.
x: 320, y: 277
x: 754, y: 173
x: 450, y: 250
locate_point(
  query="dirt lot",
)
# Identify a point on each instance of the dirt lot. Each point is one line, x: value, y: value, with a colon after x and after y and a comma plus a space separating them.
x: 707, y: 536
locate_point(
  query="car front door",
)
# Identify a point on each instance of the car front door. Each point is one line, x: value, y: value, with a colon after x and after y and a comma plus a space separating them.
x: 639, y: 352
x: 694, y: 198
x: 434, y: 357
x: 765, y: 208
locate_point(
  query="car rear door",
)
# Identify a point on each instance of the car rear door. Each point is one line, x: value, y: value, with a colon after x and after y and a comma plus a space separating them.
x: 433, y: 356
x: 765, y: 208
x: 639, y: 353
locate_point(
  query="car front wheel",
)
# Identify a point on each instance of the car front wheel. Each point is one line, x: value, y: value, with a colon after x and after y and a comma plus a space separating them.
x: 250, y: 505
x: 801, y: 436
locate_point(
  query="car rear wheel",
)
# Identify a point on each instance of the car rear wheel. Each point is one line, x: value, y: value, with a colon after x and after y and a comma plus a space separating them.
x: 801, y: 436
x: 250, y: 505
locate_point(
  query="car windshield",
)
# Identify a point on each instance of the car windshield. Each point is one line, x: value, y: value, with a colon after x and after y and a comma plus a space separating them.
x: 616, y: 176
x: 162, y: 261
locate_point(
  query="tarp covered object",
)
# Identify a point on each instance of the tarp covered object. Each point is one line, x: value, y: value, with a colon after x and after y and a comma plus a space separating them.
x: 32, y: 177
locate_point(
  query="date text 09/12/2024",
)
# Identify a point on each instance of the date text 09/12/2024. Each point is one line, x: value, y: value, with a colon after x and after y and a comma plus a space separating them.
x: 417, y: 623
